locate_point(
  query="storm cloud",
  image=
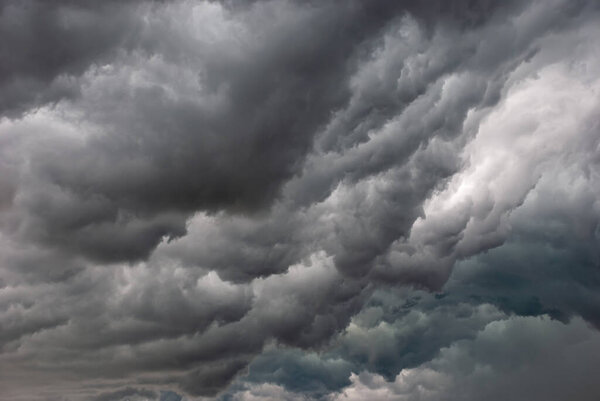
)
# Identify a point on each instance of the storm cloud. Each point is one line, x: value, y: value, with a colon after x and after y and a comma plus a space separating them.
x: 277, y: 199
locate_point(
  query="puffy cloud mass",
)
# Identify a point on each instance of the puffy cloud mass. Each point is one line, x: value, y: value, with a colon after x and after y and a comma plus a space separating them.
x: 299, y: 200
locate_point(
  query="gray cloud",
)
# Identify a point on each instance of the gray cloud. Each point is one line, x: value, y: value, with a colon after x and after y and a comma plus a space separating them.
x: 46, y: 46
x: 508, y: 359
x: 126, y: 393
x: 185, y: 184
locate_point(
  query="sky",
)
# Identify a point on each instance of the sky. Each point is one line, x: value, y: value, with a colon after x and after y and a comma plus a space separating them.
x: 299, y: 200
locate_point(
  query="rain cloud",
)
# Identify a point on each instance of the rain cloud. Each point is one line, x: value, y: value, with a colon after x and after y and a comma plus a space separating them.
x: 299, y: 200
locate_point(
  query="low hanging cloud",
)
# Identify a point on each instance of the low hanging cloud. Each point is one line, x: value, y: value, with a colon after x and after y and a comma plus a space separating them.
x: 507, y: 359
x: 298, y: 200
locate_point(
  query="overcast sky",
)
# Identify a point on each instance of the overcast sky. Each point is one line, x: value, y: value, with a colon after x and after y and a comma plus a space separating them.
x: 299, y: 200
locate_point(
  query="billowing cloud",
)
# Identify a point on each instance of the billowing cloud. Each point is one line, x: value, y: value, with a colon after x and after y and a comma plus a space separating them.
x: 298, y: 200
x: 507, y: 359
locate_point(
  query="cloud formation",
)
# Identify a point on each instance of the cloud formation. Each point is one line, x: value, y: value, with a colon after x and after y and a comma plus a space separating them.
x: 299, y: 200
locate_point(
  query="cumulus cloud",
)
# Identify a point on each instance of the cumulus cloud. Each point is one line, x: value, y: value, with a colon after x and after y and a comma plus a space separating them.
x: 254, y: 200
x: 507, y: 359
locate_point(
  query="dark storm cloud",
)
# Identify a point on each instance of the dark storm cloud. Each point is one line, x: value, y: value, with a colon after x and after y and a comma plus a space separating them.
x: 507, y: 359
x: 125, y: 394
x: 185, y: 183
x: 170, y: 147
x: 552, y: 266
x: 47, y: 45
x: 548, y: 267
x: 300, y: 372
x: 209, y: 380
x: 394, y: 331
x: 400, y: 331
x: 260, y: 104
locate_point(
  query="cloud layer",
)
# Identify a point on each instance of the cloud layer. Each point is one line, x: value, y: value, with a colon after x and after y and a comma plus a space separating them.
x: 299, y: 200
